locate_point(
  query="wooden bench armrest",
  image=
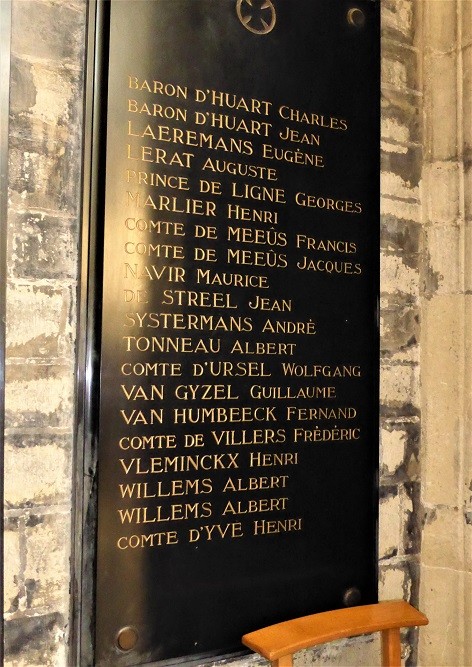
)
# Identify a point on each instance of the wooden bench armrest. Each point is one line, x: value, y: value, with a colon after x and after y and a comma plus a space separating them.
x: 283, y: 639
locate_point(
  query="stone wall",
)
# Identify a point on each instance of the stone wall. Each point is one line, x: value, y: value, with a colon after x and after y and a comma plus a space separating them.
x: 47, y: 53
x: 446, y: 358
x: 401, y: 137
x: 426, y: 275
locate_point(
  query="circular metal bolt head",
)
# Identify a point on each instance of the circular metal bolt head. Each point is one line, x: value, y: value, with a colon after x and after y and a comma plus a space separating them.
x: 351, y: 597
x: 127, y: 638
x: 356, y: 17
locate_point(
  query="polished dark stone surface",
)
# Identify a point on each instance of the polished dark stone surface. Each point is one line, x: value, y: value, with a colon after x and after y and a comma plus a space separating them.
x: 194, y: 598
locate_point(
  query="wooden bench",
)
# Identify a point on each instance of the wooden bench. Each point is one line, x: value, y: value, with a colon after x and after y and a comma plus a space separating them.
x: 279, y: 642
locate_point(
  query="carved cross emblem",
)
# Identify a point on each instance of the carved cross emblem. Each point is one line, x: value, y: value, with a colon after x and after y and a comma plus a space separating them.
x: 257, y: 16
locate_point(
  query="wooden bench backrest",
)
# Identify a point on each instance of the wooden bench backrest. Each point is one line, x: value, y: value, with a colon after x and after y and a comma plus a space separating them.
x: 279, y: 642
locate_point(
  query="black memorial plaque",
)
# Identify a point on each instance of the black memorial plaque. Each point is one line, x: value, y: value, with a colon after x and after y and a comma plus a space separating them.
x: 239, y: 345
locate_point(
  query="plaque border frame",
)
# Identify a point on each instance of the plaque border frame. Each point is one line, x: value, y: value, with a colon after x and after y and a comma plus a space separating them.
x: 87, y: 376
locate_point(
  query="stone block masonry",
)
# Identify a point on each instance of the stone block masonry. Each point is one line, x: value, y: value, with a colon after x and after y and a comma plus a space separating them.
x: 446, y: 362
x: 47, y: 70
x: 401, y: 164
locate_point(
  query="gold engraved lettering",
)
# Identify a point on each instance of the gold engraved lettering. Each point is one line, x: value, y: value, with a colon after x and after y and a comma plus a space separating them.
x: 329, y: 122
x: 157, y: 180
x: 188, y: 322
x: 137, y: 393
x: 159, y: 514
x: 326, y: 434
x: 270, y: 152
x: 253, y: 347
x: 158, y: 87
x: 198, y: 299
x: 171, y: 274
x: 155, y: 441
x: 167, y: 112
x: 318, y: 370
x: 212, y: 187
x: 137, y: 417
x: 325, y: 245
x: 256, y: 436
x: 166, y: 344
x: 231, y: 369
x: 260, y: 303
x: 155, y: 369
x: 159, y: 156
x: 270, y: 259
x: 240, y: 169
x: 144, y: 540
x: 327, y: 203
x: 150, y: 464
x: 288, y: 134
x: 314, y: 414
x: 264, y: 527
x: 140, y: 296
x: 233, y: 101
x: 205, y: 392
x: 269, y: 237
x: 138, y: 490
x: 191, y: 440
x: 166, y: 134
x: 143, y: 321
x: 232, y: 123
x: 289, y: 327
x: 158, y: 465
x: 259, y: 460
x: 255, y: 506
x: 237, y: 212
x: 255, y: 483
x: 262, y: 392
x: 216, y: 531
x: 164, y: 227
x: 165, y: 251
x: 172, y: 204
x: 258, y: 192
x: 204, y: 254
x: 328, y: 266
x: 209, y: 277
x: 167, y: 488
x: 223, y: 415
